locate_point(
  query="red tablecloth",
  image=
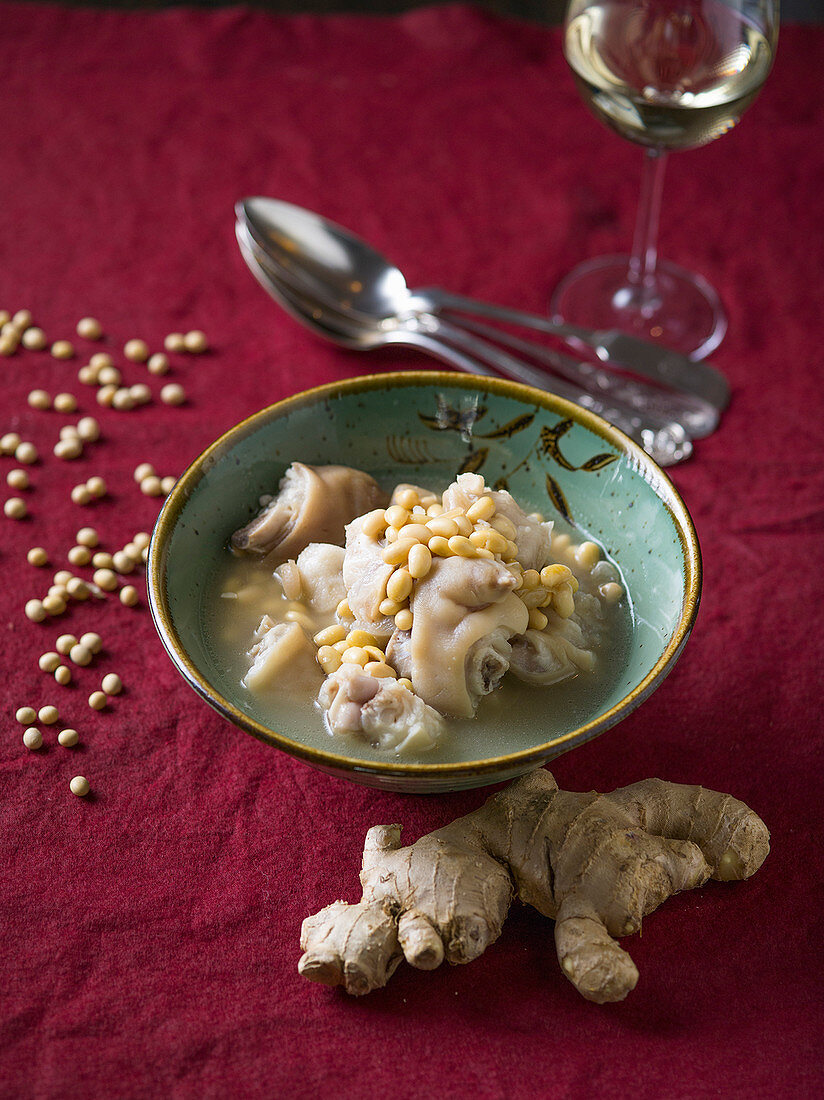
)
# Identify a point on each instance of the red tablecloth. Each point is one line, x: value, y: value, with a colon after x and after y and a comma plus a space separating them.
x: 150, y: 932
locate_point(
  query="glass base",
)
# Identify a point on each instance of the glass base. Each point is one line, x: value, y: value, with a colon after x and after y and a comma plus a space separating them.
x: 680, y: 310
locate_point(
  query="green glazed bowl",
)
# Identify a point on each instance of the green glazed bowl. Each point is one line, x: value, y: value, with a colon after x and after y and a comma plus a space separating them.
x: 425, y: 427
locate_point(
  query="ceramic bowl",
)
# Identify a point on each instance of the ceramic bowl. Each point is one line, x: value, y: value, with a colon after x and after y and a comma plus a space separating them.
x: 424, y: 427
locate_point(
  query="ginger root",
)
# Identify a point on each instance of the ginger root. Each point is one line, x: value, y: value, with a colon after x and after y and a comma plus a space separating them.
x: 595, y: 863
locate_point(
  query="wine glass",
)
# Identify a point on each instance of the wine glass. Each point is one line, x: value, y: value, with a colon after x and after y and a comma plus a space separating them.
x: 667, y: 74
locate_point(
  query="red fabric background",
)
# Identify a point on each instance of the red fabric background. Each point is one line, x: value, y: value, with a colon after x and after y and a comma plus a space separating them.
x: 150, y: 932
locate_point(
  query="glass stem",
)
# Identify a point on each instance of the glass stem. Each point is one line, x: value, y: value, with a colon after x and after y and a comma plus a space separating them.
x: 645, y: 242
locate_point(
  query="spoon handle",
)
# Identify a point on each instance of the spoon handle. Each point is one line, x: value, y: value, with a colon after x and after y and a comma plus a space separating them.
x: 641, y: 356
x: 666, y: 442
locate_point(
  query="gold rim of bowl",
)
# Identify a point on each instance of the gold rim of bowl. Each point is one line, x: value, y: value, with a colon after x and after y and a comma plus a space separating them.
x: 537, y: 755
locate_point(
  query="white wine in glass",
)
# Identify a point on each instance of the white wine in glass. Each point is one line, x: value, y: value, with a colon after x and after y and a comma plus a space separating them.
x: 666, y: 74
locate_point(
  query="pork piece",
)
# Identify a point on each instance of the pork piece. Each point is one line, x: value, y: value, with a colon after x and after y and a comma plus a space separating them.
x: 534, y: 538
x: 463, y: 614
x: 314, y: 504
x: 562, y: 649
x: 316, y: 577
x: 365, y: 574
x: 385, y: 713
x: 282, y: 658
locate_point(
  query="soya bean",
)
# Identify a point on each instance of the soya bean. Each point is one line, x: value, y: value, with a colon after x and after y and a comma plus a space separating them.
x: 329, y: 659
x: 79, y: 555
x: 403, y: 619
x: 537, y: 619
x: 15, y: 508
x: 98, y: 700
x: 443, y: 526
x: 380, y: 670
x: 355, y: 655
x: 65, y: 402
x: 62, y: 675
x: 415, y: 531
x: 109, y: 376
x: 405, y: 682
x: 67, y: 738
x: 87, y: 375
x: 460, y: 545
x: 611, y: 591
x: 81, y: 654
x: 80, y: 495
x: 482, y: 508
x: 87, y: 536
x: 158, y: 363
x: 26, y: 716
x: 122, y: 400
x: 174, y: 342
x: 361, y: 638
x: 9, y: 443
x: 588, y: 554
x: 34, y: 339
x: 195, y: 341
x: 101, y: 359
x: 89, y: 328
x: 136, y: 350
x: 65, y: 643
x: 79, y: 786
x: 62, y: 349
x: 329, y: 636
x: 105, y: 395
x: 105, y: 579
x: 420, y: 561
x: 88, y: 429
x: 35, y: 611
x: 37, y: 556
x: 77, y: 588
x: 142, y: 539
x: 439, y: 546
x: 22, y: 319
x: 62, y: 576
x: 398, y: 552
x: 96, y: 486
x: 39, y: 399
x: 26, y: 453
x: 144, y: 470
x: 151, y: 486
x: 167, y: 484
x: 140, y: 393
x: 129, y: 597
x: 399, y: 586
x: 91, y: 641
x: 173, y: 394
x: 396, y: 516
x: 388, y: 607
x: 67, y: 449
x: 49, y: 661
x: 54, y: 605
x: 48, y: 715
x: 32, y: 738
x: 112, y: 684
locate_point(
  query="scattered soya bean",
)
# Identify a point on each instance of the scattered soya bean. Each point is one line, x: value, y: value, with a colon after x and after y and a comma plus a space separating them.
x: 112, y: 684
x: 79, y: 786
x: 65, y: 402
x: 62, y: 349
x: 65, y: 643
x: 89, y: 328
x: 128, y: 595
x: 34, y: 339
x: 48, y: 715
x: 91, y: 641
x: 195, y: 341
x: 140, y: 393
x: 144, y: 470
x: 98, y: 700
x: 26, y: 453
x: 172, y: 394
x: 102, y: 560
x: 68, y: 738
x: 49, y: 661
x: 69, y: 431
x: 26, y: 716
x: 62, y: 576
x: 158, y: 363
x: 175, y: 341
x: 105, y: 395
x: 79, y: 555
x: 122, y: 400
x: 9, y: 443
x: 78, y: 589
x: 37, y: 556
x: 88, y: 429
x: 97, y: 486
x: 54, y: 604
x: 67, y: 449
x: 122, y: 562
x: 151, y: 486
x: 87, y: 536
x: 167, y: 484
x: 136, y: 350
x: 80, y: 495
x: 39, y: 399
x: 33, y: 738
x: 35, y: 611
x: 101, y: 359
x: 81, y: 654
x: 87, y: 375
x: 63, y: 675
x: 105, y: 579
x: 15, y: 508
x: 22, y: 319
x: 109, y: 376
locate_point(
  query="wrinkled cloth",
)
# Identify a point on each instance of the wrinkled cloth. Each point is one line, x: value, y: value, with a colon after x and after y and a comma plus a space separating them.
x: 150, y: 931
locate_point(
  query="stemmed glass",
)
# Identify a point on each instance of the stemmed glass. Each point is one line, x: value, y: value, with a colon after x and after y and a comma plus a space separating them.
x: 667, y: 74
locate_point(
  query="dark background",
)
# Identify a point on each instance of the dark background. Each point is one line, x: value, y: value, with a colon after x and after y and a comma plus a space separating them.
x: 545, y: 11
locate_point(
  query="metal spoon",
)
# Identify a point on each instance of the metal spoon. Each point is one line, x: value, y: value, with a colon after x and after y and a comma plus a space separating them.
x: 666, y: 443
x: 349, y: 272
